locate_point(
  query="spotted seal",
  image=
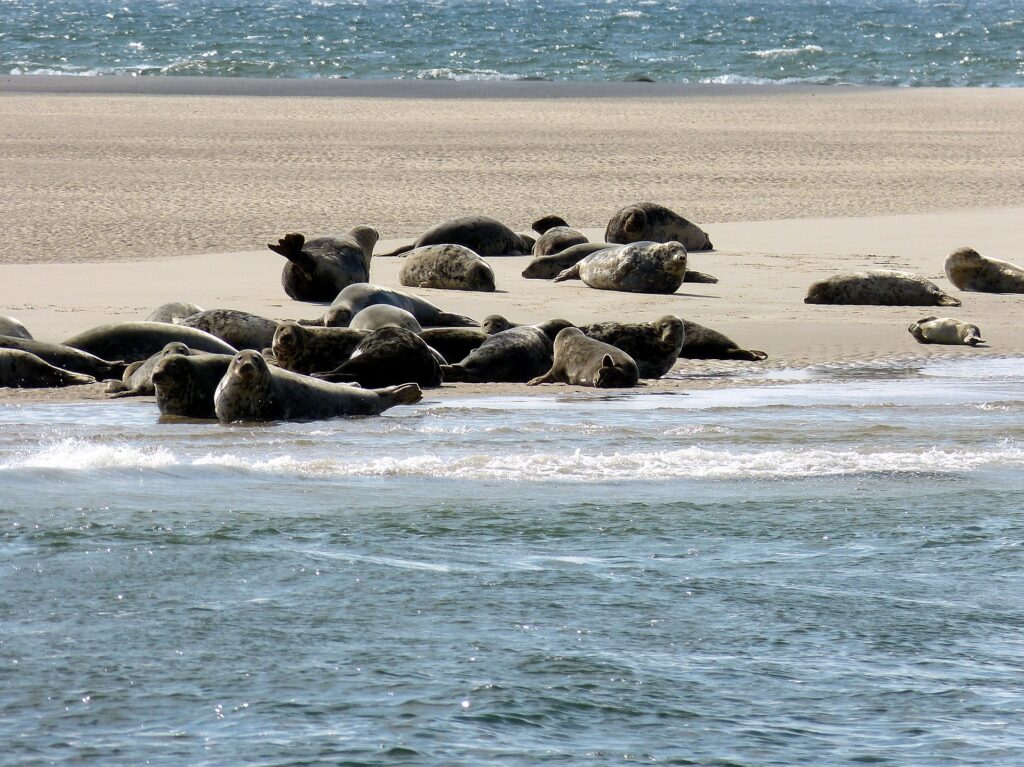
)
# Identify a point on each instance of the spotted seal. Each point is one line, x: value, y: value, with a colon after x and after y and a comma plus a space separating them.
x: 453, y: 343
x: 447, y: 267
x: 387, y: 357
x: 878, y: 287
x: 584, y: 361
x: 515, y: 355
x: 67, y: 358
x: 548, y: 267
x: 318, y: 269
x: 24, y: 370
x: 241, y: 330
x: 485, y: 236
x: 175, y: 311
x: 384, y: 316
x: 253, y: 391
x: 702, y: 343
x: 555, y: 236
x: 309, y: 350
x: 355, y: 298
x: 649, y: 221
x: 945, y: 330
x: 971, y: 271
x: 9, y: 326
x: 654, y: 346
x: 184, y: 385
x: 138, y: 377
x: 134, y: 341
x: 642, y: 267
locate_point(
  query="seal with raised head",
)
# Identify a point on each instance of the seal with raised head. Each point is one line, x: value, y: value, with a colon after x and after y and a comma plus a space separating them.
x: 68, y: 358
x: 184, y: 385
x: 654, y: 346
x: 584, y: 361
x: 174, y: 311
x: 945, y: 330
x: 878, y: 287
x: 318, y: 269
x: 453, y: 343
x: 555, y: 236
x: 971, y: 271
x: 384, y: 316
x: 9, y: 326
x: 643, y: 267
x: 655, y: 223
x: 483, y: 235
x: 702, y: 343
x: 134, y: 341
x: 355, y: 298
x: 447, y: 267
x: 253, y: 391
x: 495, y: 323
x: 309, y: 350
x: 512, y: 356
x: 241, y: 330
x: 138, y: 377
x: 387, y: 357
x: 24, y: 370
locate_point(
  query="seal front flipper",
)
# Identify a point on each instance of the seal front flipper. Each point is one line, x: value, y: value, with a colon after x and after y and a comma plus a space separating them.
x: 448, y: 320
x: 549, y: 377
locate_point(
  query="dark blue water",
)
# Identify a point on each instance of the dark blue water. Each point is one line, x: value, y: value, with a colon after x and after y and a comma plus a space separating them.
x: 881, y: 42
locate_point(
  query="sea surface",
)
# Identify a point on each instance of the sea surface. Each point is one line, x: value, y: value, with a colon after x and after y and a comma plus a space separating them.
x: 818, y: 566
x: 877, y: 42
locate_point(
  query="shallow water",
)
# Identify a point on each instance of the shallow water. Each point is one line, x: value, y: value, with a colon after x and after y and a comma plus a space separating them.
x: 820, y: 569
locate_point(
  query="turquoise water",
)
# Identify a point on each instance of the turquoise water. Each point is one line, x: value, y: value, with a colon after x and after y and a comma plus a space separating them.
x: 818, y: 566
x: 881, y: 42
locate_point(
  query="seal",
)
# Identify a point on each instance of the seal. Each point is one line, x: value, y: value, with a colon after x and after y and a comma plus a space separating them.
x: 318, y: 269
x: 175, y: 311
x: 555, y: 236
x: 253, y: 391
x: 447, y: 267
x: 495, y: 323
x: 656, y: 223
x: 309, y: 350
x: 971, y: 271
x: 67, y: 358
x: 387, y: 357
x: 24, y: 370
x: 185, y: 384
x: 355, y: 298
x: 584, y: 361
x: 515, y: 355
x: 643, y: 267
x: 384, y: 316
x: 453, y: 344
x: 701, y: 343
x: 878, y: 287
x: 134, y: 341
x: 945, y: 330
x: 653, y: 346
x: 9, y: 326
x: 138, y: 377
x: 548, y: 267
x: 241, y: 330
x: 485, y: 236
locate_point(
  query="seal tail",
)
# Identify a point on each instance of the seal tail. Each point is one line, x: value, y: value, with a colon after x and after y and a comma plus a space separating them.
x: 397, y: 251
x: 447, y: 320
x: 945, y: 300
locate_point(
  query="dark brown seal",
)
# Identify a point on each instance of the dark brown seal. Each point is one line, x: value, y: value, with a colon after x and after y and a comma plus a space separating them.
x: 68, y: 358
x: 702, y: 343
x: 453, y: 343
x: 485, y: 236
x: 318, y: 269
x: 387, y: 357
x: 514, y: 356
x: 134, y: 341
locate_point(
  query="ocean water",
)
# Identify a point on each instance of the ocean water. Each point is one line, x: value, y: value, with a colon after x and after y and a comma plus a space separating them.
x: 798, y: 567
x: 879, y: 42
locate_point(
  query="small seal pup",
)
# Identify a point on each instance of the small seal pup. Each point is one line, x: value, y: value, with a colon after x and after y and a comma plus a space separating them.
x: 384, y: 316
x: 175, y: 311
x: 453, y: 343
x: 656, y: 223
x: 447, y: 267
x: 184, y: 385
x: 878, y: 287
x: 643, y: 267
x: 138, y: 377
x: 317, y: 269
x: 241, y: 330
x: 24, y: 370
x: 585, y: 361
x: 9, y: 326
x: 355, y: 298
x: 387, y: 357
x: 701, y: 343
x: 971, y: 271
x: 309, y: 350
x: 67, y: 358
x: 483, y: 235
x: 512, y: 356
x: 253, y: 391
x: 555, y: 236
x: 653, y: 346
x: 134, y: 341
x: 945, y: 330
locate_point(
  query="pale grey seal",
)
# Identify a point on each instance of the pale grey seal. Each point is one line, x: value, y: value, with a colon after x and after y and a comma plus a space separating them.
x: 643, y: 267
x: 453, y: 343
x: 314, y: 350
x: 241, y: 330
x: 384, y: 316
x: 515, y: 355
x: 971, y: 271
x: 654, y: 346
x: 9, y: 326
x: 483, y: 235
x: 253, y: 391
x: 24, y: 370
x: 447, y: 267
x: 649, y: 221
x: 175, y: 311
x: 584, y: 361
x: 68, y: 358
x: 548, y: 267
x: 138, y: 377
x: 355, y: 298
x: 318, y: 269
x: 878, y: 287
x: 387, y: 357
x: 134, y: 341
x: 185, y: 385
x: 945, y: 330
x: 702, y: 343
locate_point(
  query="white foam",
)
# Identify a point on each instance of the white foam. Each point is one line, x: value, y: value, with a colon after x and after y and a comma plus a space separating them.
x: 446, y: 73
x: 78, y: 455
x: 748, y: 80
x: 774, y: 53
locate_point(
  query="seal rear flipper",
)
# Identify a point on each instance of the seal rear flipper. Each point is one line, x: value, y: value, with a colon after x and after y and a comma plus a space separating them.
x: 692, y: 276
x: 397, y: 251
x: 290, y: 246
x: 541, y: 225
x: 447, y: 320
x: 115, y: 388
x: 572, y: 273
x: 750, y: 355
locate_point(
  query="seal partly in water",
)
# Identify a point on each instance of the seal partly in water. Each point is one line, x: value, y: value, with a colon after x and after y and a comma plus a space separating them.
x: 878, y: 287
x: 585, y: 361
x: 318, y: 269
x: 702, y: 343
x: 184, y: 385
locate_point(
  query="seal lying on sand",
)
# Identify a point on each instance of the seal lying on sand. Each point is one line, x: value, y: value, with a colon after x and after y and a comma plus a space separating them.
x: 643, y: 267
x: 134, y: 341
x: 701, y: 343
x: 969, y: 270
x: 484, y: 236
x: 67, y: 358
x: 253, y: 391
x: 515, y: 355
x: 185, y: 385
x: 586, y: 361
x: 24, y: 370
x: 387, y: 357
x: 355, y: 298
x: 241, y: 330
x: 138, y: 377
x: 548, y: 267
x: 653, y: 346
x: 555, y: 236
x: 175, y: 311
x: 314, y: 350
x: 447, y: 267
x: 648, y: 221
x: 453, y: 343
x: 384, y: 316
x: 878, y: 287
x: 9, y: 326
x: 945, y: 330
x: 317, y: 269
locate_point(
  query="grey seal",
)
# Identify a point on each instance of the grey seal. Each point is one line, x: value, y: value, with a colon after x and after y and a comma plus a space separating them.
x: 68, y: 358
x: 138, y: 377
x: 253, y: 391
x: 654, y: 346
x: 314, y: 350
x: 548, y: 267
x: 483, y: 235
x: 355, y: 298
x: 9, y: 326
x: 878, y: 287
x: 945, y: 330
x: 387, y: 357
x: 514, y: 356
x: 384, y: 316
x: 702, y: 343
x: 134, y: 341
x: 241, y: 330
x: 446, y: 267
x: 555, y: 236
x: 584, y: 361
x: 495, y: 323
x: 318, y: 269
x: 656, y: 223
x: 453, y: 343
x: 175, y: 311
x: 24, y: 370
x: 184, y: 385
x: 643, y: 267
x: 971, y: 271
